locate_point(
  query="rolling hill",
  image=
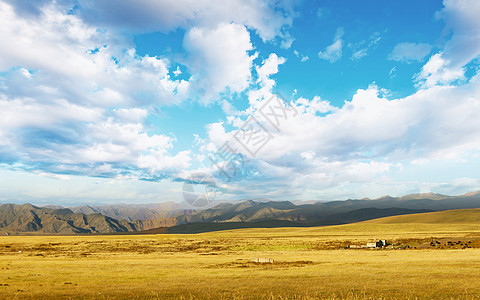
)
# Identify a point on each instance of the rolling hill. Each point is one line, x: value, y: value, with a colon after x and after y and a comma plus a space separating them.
x: 247, y: 214
x: 458, y: 216
x: 133, y: 212
x: 286, y: 219
x: 329, y: 213
x: 29, y: 218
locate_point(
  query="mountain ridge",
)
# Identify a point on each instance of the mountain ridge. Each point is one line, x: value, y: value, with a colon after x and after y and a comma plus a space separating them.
x: 133, y: 218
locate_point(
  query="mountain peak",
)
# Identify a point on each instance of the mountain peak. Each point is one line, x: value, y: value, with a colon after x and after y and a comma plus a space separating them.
x: 430, y: 196
x: 472, y: 194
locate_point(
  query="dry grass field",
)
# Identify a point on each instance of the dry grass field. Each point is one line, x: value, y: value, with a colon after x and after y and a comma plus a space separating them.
x: 310, y: 263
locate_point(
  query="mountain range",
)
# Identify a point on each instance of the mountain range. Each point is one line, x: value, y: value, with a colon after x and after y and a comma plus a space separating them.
x: 170, y: 217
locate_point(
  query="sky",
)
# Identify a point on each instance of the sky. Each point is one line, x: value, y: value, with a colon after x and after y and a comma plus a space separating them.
x: 139, y: 101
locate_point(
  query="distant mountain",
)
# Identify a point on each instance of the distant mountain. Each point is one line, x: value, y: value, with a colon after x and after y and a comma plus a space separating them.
x: 247, y: 211
x: 431, y: 196
x: 334, y: 219
x: 29, y: 218
x: 134, y: 212
x: 168, y: 217
x: 327, y: 213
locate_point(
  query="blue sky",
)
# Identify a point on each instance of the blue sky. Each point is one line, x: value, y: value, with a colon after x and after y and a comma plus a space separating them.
x: 122, y: 102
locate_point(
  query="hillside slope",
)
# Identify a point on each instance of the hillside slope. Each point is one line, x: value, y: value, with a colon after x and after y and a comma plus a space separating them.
x: 29, y: 218
x: 328, y: 213
x: 460, y: 216
x: 133, y: 212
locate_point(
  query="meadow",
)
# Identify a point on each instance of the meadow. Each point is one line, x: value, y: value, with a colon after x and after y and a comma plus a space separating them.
x: 310, y: 263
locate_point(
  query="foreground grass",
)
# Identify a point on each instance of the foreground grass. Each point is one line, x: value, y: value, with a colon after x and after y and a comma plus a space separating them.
x: 309, y: 263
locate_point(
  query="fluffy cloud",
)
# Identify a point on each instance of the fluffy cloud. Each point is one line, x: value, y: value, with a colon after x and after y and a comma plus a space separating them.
x: 90, y: 25
x: 74, y: 99
x: 367, y: 138
x: 461, y: 18
x: 74, y: 96
x: 268, y: 18
x: 68, y: 59
x: 269, y: 67
x: 333, y: 52
x: 410, y: 52
x: 438, y: 71
x: 65, y: 138
x: 220, y: 58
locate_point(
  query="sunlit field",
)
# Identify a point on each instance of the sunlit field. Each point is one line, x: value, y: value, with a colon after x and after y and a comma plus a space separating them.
x: 308, y: 263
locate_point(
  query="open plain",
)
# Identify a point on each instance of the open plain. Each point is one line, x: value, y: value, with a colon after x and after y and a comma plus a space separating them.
x: 433, y: 255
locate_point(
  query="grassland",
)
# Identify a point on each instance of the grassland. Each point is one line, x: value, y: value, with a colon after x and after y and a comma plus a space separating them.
x: 309, y: 263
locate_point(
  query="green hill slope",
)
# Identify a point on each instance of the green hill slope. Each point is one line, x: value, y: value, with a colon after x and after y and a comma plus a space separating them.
x: 459, y: 216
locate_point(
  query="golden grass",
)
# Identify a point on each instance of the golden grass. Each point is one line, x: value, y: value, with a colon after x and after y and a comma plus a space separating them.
x: 310, y: 263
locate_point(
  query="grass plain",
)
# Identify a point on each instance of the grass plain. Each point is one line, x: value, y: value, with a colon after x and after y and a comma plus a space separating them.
x: 310, y: 263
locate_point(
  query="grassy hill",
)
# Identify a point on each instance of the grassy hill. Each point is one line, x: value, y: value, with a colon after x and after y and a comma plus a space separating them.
x: 458, y: 216
x: 31, y: 219
x: 452, y: 223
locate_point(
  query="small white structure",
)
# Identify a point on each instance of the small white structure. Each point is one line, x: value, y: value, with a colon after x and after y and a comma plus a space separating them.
x: 263, y: 260
x: 377, y: 244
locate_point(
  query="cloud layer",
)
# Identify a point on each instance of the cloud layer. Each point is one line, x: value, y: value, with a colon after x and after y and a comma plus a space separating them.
x: 77, y: 100
x: 410, y: 52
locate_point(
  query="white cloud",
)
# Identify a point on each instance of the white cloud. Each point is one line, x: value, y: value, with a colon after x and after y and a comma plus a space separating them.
x: 303, y: 58
x: 47, y: 189
x: 74, y: 99
x: 220, y: 58
x: 438, y: 71
x: 461, y: 18
x: 57, y: 51
x: 267, y: 18
x: 367, y: 144
x: 358, y: 52
x: 269, y: 67
x: 53, y: 176
x: 410, y: 52
x: 333, y: 52
x: 177, y: 71
x: 54, y: 41
x: 367, y: 139
x: 287, y: 41
x: 96, y: 28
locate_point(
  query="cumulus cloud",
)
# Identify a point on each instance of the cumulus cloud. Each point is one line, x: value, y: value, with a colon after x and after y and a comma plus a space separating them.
x: 333, y: 52
x: 65, y: 138
x: 410, y: 52
x: 463, y: 24
x: 64, y: 57
x: 362, y: 145
x: 461, y: 18
x: 368, y: 137
x: 74, y: 99
x: 438, y: 71
x: 90, y: 25
x: 220, y: 58
x: 269, y: 67
x: 268, y: 18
